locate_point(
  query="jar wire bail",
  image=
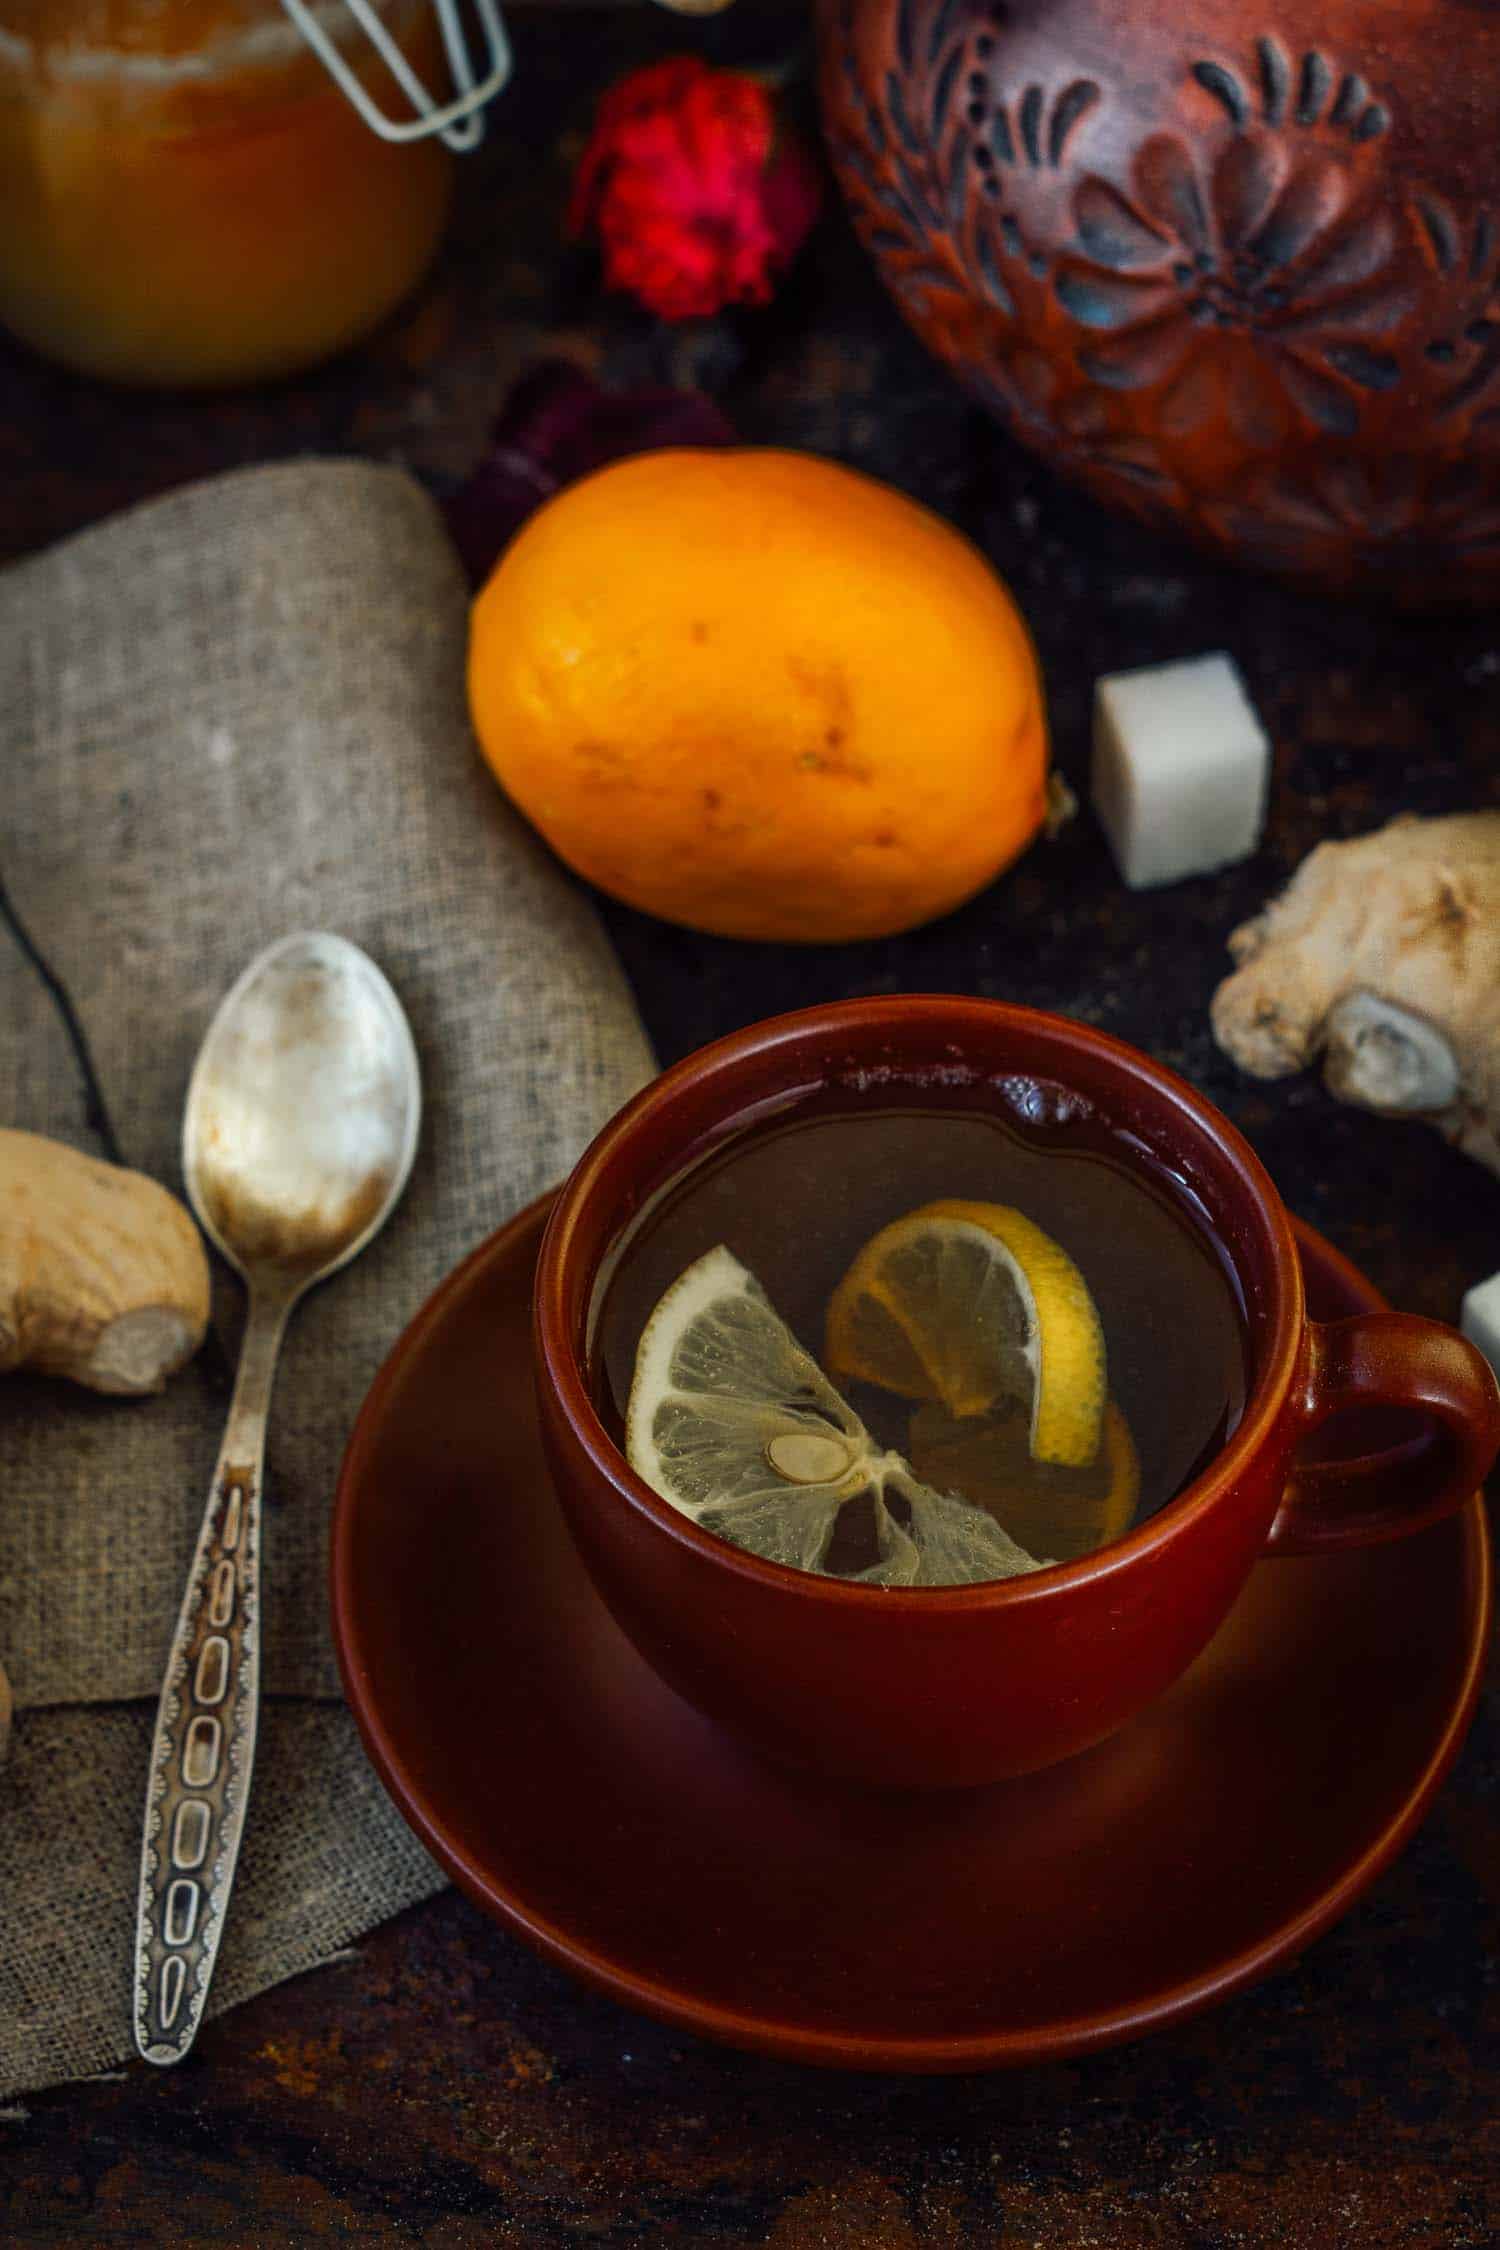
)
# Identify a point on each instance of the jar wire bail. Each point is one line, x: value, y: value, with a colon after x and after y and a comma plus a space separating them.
x: 458, y: 123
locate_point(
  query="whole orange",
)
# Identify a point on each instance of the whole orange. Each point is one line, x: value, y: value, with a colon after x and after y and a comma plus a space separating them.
x: 761, y: 695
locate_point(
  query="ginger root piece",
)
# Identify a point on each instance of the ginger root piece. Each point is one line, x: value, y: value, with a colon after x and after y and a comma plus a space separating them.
x: 1382, y: 954
x: 103, y: 1275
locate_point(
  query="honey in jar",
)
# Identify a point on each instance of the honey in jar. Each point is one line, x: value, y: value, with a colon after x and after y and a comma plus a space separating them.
x: 186, y: 197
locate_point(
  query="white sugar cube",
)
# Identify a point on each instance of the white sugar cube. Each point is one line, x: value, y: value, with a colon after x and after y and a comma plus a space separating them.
x: 1181, y: 769
x: 1481, y: 1318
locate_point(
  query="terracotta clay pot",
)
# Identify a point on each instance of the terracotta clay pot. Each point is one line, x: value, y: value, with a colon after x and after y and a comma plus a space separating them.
x: 1234, y: 267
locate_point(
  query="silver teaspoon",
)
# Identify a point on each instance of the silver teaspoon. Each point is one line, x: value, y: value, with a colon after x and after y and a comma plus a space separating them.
x: 300, y: 1129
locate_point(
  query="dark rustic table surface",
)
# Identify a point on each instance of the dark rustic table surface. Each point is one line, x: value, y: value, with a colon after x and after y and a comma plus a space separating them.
x: 442, y: 2086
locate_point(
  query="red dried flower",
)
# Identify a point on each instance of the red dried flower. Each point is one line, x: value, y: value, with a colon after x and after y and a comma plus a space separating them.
x: 698, y: 199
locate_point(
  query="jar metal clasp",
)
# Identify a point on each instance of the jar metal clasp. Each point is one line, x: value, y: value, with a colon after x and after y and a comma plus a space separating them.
x: 477, y: 76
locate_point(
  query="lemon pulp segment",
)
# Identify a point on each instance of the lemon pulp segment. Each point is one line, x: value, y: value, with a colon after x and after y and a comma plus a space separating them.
x: 971, y: 1306
x: 735, y: 1424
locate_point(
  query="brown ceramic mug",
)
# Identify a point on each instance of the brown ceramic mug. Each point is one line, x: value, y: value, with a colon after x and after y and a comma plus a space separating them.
x: 967, y: 1684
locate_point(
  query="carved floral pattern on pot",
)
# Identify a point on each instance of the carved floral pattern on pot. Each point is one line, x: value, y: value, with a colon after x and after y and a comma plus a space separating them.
x: 1256, y: 291
x: 946, y: 241
x: 1210, y: 278
x: 1468, y: 351
x: 1411, y: 516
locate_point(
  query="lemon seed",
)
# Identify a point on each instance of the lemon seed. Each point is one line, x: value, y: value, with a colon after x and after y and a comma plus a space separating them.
x: 805, y: 1457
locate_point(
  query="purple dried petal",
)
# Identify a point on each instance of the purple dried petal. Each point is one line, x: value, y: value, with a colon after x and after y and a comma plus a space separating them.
x: 557, y: 425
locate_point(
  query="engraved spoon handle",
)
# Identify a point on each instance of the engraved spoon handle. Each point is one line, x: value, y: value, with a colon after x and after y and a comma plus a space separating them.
x: 204, y: 1742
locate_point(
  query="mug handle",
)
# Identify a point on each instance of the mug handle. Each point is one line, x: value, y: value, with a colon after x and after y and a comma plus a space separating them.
x: 1387, y: 1359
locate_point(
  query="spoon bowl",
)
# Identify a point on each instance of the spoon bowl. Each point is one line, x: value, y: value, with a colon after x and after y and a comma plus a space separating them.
x: 303, y: 1111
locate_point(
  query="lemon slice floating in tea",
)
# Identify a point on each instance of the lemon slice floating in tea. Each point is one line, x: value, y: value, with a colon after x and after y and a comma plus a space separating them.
x: 737, y: 1426
x: 971, y: 1306
x: 1069, y: 1511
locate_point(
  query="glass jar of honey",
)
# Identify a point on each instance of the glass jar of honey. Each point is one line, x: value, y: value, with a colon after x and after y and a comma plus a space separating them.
x: 186, y: 197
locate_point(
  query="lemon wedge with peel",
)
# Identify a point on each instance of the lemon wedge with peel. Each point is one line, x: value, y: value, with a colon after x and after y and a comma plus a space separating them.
x: 987, y: 1457
x: 972, y: 1307
x: 733, y: 1423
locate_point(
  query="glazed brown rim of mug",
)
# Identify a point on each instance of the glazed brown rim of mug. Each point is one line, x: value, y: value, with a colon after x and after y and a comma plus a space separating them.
x: 560, y: 1330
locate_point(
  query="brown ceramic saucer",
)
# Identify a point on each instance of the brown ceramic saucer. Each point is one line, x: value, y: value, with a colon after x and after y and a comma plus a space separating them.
x: 576, y: 1798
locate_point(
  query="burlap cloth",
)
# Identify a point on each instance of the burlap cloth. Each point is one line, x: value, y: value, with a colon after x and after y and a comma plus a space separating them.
x: 231, y: 714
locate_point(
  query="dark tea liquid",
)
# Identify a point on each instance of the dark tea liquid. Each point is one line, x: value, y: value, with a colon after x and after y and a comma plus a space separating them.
x: 797, y: 1199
